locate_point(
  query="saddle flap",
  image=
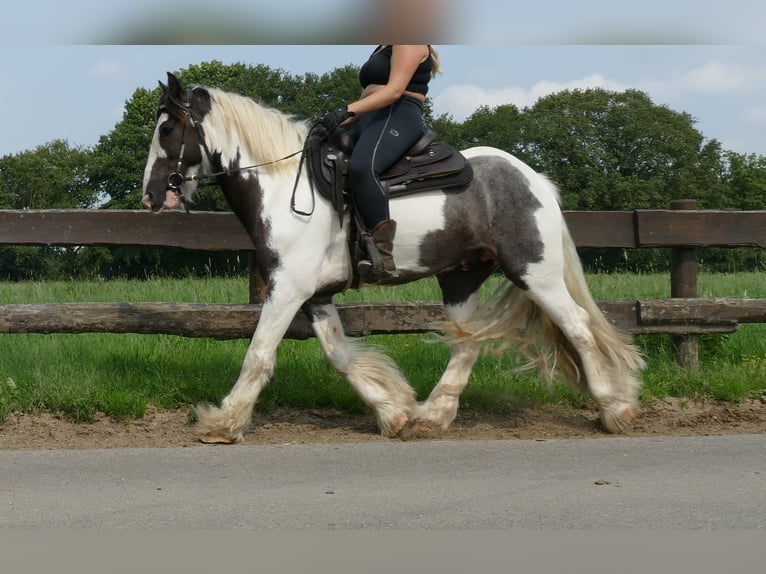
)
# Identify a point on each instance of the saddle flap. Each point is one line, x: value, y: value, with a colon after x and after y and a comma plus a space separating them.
x: 437, y: 159
x: 327, y: 165
x: 419, y: 165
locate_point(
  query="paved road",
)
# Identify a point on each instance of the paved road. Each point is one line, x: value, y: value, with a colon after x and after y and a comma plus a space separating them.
x: 605, y: 483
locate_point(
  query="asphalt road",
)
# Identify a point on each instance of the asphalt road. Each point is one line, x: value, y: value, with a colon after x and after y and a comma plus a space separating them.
x: 604, y: 483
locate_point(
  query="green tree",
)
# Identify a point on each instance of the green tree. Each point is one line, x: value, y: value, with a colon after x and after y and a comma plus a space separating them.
x: 499, y: 127
x: 610, y: 150
x: 118, y: 160
x: 620, y: 151
x: 741, y: 185
x: 745, y: 177
x: 447, y: 130
x: 53, y: 175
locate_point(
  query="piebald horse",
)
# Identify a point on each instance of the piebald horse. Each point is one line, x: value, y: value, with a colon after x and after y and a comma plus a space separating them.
x: 508, y: 219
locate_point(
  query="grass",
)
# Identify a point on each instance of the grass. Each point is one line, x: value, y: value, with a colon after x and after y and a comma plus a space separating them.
x: 77, y: 376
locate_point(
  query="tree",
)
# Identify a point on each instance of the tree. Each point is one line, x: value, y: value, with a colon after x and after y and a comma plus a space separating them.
x: 53, y: 175
x: 498, y: 127
x: 745, y: 176
x: 741, y: 185
x: 619, y: 151
x: 610, y: 150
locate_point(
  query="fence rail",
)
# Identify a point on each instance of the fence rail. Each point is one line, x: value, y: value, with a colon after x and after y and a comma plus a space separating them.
x: 235, y: 321
x: 682, y: 228
x: 213, y: 231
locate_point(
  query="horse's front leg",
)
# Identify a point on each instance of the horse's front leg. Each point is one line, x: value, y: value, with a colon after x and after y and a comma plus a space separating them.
x: 461, y: 300
x: 226, y: 424
x: 373, y: 375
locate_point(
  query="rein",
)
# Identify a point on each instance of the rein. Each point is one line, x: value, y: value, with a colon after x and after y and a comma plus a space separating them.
x: 176, y: 179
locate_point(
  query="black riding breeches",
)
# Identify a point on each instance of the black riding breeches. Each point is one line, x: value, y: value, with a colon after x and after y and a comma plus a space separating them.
x: 383, y: 136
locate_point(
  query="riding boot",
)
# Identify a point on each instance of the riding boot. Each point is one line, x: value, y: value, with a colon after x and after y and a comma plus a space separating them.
x: 382, y: 266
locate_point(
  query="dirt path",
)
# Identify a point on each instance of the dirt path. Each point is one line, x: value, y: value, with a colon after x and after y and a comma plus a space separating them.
x: 172, y: 429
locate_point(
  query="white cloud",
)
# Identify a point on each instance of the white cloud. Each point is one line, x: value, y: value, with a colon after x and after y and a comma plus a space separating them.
x: 719, y: 78
x: 461, y: 100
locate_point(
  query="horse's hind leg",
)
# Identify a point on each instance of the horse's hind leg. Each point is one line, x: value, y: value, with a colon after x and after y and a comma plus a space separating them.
x: 460, y: 295
x: 374, y: 376
x: 607, y: 380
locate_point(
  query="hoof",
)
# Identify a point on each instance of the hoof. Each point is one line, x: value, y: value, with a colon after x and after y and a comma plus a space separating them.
x: 215, y: 438
x: 617, y: 422
x: 396, y: 425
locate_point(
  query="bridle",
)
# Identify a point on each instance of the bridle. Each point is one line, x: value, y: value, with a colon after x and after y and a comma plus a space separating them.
x: 176, y: 179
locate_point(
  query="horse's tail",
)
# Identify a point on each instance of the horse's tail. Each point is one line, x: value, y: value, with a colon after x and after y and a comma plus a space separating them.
x: 510, y: 318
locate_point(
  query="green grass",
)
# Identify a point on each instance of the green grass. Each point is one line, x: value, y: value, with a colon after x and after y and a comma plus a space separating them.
x: 77, y: 376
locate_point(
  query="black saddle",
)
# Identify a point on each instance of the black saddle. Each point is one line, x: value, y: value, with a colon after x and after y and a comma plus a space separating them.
x: 427, y: 165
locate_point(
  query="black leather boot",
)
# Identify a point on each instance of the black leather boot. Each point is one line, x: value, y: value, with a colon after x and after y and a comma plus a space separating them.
x: 381, y: 265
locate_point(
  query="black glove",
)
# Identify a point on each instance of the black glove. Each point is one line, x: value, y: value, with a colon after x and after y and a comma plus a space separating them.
x: 332, y: 120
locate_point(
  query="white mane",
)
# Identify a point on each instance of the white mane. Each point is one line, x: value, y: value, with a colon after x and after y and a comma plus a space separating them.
x: 264, y: 134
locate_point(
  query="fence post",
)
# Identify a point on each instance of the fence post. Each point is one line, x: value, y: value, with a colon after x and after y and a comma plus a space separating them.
x: 683, y: 283
x: 257, y: 285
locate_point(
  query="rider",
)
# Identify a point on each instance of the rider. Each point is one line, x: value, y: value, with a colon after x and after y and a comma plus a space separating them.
x: 390, y: 114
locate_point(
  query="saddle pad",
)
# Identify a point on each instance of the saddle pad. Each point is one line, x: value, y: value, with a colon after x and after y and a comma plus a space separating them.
x: 455, y: 179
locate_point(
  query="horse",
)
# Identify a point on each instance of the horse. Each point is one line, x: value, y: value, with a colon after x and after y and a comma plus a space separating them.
x: 506, y: 221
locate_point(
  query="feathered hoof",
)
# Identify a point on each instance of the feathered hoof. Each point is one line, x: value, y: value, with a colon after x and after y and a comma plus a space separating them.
x: 436, y: 414
x: 617, y: 422
x: 217, y: 426
x: 391, y: 424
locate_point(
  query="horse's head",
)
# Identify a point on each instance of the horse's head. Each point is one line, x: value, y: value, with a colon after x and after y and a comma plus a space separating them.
x: 178, y: 145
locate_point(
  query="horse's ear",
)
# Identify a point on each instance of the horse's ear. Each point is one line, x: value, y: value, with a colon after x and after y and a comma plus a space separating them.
x: 174, y: 87
x: 163, y: 87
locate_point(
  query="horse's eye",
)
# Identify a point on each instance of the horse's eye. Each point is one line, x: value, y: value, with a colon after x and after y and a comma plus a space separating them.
x: 166, y: 130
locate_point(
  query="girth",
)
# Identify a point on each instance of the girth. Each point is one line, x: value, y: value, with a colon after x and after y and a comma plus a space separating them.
x: 427, y: 165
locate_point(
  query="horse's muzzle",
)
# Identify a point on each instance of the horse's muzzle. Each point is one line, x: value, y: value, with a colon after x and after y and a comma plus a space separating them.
x: 172, y: 201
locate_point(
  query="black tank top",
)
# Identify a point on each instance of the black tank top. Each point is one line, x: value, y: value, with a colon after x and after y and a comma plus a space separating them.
x: 377, y: 69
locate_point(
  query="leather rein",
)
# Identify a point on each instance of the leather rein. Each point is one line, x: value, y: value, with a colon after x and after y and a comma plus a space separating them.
x: 176, y: 179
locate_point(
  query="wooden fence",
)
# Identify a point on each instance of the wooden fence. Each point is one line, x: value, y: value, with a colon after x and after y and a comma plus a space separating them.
x: 681, y: 228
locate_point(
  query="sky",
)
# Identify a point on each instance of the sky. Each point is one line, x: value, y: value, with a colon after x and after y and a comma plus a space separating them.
x: 67, y: 75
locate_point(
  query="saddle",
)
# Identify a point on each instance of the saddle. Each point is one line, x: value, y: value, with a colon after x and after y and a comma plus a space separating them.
x: 427, y: 165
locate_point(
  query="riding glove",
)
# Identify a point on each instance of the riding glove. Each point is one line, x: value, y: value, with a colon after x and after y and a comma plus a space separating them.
x: 332, y: 120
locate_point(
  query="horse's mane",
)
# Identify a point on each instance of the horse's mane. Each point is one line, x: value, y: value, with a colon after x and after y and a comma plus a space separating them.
x: 264, y: 133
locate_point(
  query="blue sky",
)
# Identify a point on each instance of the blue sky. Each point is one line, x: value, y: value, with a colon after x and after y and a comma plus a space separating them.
x: 61, y: 82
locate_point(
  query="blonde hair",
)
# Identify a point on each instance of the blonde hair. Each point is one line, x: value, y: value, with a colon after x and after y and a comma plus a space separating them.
x: 436, y: 67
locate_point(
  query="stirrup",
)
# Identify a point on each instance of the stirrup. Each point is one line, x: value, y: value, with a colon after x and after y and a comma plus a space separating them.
x: 370, y: 274
x: 365, y: 268
x: 372, y: 264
